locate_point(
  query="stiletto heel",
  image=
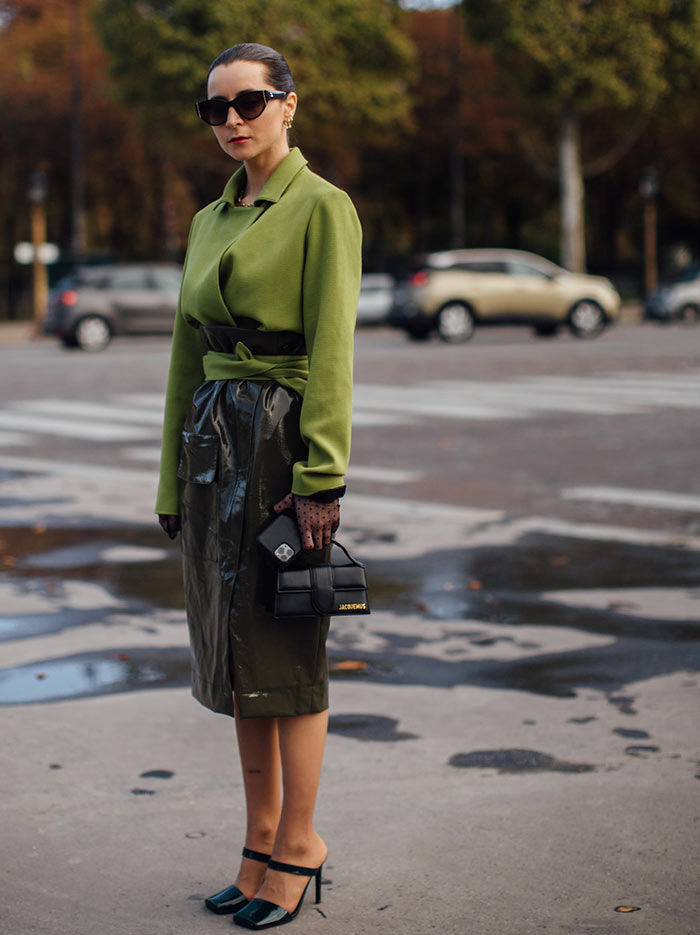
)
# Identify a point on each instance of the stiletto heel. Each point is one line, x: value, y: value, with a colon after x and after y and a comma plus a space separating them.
x: 262, y: 914
x: 231, y: 899
x: 318, y: 885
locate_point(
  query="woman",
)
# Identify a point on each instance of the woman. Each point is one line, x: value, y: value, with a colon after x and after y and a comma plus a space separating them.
x: 257, y: 420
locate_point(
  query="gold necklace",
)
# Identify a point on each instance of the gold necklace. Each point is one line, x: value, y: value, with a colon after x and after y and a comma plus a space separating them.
x: 244, y: 204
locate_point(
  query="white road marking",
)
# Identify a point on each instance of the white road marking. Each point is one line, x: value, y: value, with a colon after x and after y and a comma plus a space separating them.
x: 122, y: 495
x: 14, y: 439
x: 105, y: 412
x: 426, y: 400
x: 145, y: 453
x: 660, y: 499
x: 362, y: 419
x: 91, y: 431
x: 106, y: 472
x: 135, y: 416
x: 383, y: 475
x: 75, y: 469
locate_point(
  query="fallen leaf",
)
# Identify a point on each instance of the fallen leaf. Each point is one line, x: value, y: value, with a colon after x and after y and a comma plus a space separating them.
x: 627, y: 908
x: 39, y: 528
x: 41, y: 675
x: 123, y: 657
x: 475, y: 585
x: 349, y: 665
x: 421, y: 607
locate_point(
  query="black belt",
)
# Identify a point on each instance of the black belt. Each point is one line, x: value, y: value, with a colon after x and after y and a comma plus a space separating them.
x: 223, y: 338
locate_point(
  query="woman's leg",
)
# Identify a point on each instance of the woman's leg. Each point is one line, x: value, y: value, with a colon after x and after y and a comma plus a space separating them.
x: 258, y: 745
x: 301, y: 742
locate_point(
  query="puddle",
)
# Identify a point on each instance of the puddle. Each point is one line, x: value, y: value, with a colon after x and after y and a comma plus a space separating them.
x: 492, y: 585
x: 368, y: 727
x: 134, y: 564
x: 516, y: 761
x: 96, y: 673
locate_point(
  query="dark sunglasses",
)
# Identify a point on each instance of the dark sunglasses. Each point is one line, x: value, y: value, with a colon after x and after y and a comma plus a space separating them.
x: 248, y: 105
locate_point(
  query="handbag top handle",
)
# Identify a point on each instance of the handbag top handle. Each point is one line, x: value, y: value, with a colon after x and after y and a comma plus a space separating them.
x: 352, y: 560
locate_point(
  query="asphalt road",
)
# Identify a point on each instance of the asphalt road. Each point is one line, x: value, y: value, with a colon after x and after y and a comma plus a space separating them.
x: 513, y: 742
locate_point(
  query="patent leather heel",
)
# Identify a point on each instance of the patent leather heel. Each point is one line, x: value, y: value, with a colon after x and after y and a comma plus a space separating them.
x: 262, y: 914
x: 231, y: 899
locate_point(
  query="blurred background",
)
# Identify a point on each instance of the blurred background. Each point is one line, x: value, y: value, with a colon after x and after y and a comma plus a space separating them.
x: 567, y: 128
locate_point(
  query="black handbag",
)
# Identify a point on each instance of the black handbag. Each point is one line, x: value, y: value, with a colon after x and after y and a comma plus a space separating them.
x: 329, y: 590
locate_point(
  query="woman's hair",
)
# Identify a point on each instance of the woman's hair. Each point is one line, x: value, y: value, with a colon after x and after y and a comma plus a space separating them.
x: 278, y: 73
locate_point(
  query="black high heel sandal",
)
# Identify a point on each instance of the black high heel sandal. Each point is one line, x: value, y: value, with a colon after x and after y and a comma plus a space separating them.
x: 231, y: 899
x: 262, y: 914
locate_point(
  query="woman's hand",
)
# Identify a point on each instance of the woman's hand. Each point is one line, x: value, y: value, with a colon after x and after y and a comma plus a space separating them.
x: 170, y: 524
x: 316, y: 521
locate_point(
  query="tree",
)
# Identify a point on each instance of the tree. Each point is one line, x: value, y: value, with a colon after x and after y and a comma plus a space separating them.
x: 349, y: 59
x: 575, y: 58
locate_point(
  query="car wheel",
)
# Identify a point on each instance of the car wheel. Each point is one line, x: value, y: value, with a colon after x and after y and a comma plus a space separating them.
x: 689, y: 314
x: 586, y: 319
x: 546, y: 331
x: 92, y: 333
x: 455, y: 323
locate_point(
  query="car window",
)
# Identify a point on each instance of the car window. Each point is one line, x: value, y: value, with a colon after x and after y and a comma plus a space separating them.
x: 128, y: 279
x: 688, y: 274
x: 164, y: 278
x: 481, y: 266
x: 518, y: 268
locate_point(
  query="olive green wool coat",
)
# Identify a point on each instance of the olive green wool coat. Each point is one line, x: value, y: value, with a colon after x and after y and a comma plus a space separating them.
x: 290, y: 263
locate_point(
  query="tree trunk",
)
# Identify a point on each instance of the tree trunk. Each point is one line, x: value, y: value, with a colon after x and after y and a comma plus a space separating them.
x: 572, y: 243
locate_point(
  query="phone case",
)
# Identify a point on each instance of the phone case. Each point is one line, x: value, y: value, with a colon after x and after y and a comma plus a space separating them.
x: 280, y: 539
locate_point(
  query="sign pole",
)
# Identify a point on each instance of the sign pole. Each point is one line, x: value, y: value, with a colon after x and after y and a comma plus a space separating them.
x: 37, y: 214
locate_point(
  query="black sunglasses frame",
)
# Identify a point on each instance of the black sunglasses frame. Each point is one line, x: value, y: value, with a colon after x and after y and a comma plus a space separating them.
x: 264, y: 98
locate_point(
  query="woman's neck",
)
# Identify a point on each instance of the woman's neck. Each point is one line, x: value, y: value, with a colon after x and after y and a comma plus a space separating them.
x: 259, y: 169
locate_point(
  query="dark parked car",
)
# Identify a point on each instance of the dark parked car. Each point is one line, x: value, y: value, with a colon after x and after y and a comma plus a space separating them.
x: 94, y: 303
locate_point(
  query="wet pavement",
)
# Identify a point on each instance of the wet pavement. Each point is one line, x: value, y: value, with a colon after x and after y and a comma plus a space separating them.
x: 496, y: 591
x: 513, y: 741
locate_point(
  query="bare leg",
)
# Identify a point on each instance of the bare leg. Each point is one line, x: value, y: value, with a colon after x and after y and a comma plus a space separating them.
x: 258, y: 745
x: 301, y: 741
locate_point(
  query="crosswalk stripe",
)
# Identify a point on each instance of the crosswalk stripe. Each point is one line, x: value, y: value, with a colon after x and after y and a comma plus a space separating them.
x: 13, y: 439
x: 100, y: 471
x: 138, y: 416
x: 75, y: 469
x: 48, y: 425
x: 86, y: 410
x: 383, y: 475
x: 660, y: 499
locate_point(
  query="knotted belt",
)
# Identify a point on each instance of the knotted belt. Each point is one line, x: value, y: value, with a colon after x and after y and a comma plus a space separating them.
x: 234, y: 353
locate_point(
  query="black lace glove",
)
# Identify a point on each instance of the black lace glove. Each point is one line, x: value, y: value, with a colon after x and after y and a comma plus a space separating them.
x: 316, y: 521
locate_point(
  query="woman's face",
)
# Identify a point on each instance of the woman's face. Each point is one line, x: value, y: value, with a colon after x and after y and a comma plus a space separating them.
x: 248, y: 139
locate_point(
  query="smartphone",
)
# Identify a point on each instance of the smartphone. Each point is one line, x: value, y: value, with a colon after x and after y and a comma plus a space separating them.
x: 280, y: 540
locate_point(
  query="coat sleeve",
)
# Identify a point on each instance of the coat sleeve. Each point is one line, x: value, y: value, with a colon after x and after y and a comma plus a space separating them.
x: 184, y: 376
x: 330, y: 291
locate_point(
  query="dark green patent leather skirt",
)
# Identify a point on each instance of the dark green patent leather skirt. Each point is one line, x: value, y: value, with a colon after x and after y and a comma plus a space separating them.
x: 239, y: 443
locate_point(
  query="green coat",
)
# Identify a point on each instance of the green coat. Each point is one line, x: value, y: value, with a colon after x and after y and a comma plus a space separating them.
x: 291, y: 263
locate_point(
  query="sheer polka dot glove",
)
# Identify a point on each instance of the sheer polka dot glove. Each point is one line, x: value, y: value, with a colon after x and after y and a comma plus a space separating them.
x: 316, y: 521
x: 170, y: 524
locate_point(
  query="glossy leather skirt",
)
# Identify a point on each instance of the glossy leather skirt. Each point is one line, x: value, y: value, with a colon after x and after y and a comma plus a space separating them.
x: 239, y: 443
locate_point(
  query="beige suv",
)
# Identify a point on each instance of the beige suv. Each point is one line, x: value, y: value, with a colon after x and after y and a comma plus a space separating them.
x: 454, y: 291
